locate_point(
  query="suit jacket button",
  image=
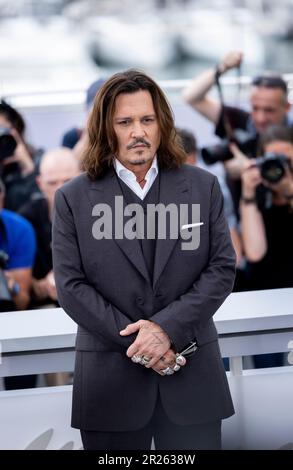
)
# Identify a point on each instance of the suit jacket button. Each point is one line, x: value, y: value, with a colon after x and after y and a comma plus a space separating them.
x: 140, y: 300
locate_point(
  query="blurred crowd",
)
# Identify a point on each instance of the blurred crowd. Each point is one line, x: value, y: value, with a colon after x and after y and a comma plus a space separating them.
x: 256, y: 154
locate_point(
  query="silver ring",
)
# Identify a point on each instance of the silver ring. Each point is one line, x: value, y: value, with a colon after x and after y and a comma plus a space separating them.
x: 145, y: 360
x: 167, y: 371
x: 136, y: 359
x: 176, y: 368
x: 180, y: 360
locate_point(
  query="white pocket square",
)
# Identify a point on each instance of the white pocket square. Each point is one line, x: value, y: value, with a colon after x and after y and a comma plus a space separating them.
x: 197, y: 224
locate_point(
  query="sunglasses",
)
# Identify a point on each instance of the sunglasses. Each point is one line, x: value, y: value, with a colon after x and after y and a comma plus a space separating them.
x: 270, y: 81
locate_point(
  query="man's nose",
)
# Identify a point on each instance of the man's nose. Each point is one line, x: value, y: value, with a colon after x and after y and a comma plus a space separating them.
x: 137, y: 130
x: 261, y: 118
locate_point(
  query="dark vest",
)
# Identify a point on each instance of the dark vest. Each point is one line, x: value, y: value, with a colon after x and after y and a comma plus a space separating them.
x: 148, y: 245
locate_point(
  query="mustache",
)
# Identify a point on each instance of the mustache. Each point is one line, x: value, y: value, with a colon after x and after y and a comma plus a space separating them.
x: 138, y: 141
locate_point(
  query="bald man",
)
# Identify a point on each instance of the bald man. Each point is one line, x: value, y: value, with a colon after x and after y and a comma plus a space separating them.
x: 56, y: 168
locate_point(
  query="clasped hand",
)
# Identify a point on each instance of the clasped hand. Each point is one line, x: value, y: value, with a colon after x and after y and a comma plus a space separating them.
x: 152, y: 347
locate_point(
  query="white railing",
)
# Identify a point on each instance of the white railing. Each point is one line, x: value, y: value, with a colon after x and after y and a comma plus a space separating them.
x: 74, y: 96
x: 42, y: 341
x: 37, y: 341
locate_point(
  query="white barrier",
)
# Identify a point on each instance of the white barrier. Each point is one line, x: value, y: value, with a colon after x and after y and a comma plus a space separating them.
x: 37, y: 419
x: 249, y: 323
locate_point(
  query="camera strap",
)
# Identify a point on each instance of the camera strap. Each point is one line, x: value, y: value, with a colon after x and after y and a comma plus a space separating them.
x: 226, y: 122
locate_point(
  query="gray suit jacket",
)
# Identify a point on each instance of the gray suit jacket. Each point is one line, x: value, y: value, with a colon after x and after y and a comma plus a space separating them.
x: 104, y: 285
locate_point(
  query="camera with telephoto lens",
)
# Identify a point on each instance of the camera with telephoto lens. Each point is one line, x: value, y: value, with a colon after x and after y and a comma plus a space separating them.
x: 221, y: 152
x: 7, y: 143
x: 6, y: 302
x: 273, y: 166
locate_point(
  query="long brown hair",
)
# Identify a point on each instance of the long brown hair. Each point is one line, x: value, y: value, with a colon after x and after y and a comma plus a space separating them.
x: 102, y: 141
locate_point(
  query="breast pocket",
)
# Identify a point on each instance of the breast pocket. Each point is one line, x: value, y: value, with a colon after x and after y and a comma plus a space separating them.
x: 192, y: 239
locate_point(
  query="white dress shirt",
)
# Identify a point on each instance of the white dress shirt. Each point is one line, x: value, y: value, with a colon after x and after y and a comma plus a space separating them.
x: 129, y: 178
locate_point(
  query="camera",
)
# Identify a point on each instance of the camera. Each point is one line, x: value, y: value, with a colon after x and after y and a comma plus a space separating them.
x: 7, y: 143
x: 6, y: 302
x: 221, y: 152
x: 273, y: 166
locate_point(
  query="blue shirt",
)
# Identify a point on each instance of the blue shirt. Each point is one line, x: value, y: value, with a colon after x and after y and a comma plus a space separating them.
x: 18, y: 241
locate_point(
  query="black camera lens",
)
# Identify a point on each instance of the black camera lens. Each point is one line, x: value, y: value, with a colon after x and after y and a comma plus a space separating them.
x: 216, y: 153
x: 272, y: 166
x: 221, y: 152
x: 272, y: 170
x: 7, y: 143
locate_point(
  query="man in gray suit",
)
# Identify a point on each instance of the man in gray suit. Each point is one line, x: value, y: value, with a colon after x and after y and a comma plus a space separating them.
x: 143, y: 259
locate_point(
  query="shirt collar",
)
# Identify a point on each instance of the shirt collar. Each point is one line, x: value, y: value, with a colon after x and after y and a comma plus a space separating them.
x: 121, y: 170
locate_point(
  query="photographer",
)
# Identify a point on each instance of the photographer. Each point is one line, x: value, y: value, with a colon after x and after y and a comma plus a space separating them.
x: 17, y: 240
x: 269, y: 106
x: 268, y: 100
x: 18, y: 160
x: 267, y: 232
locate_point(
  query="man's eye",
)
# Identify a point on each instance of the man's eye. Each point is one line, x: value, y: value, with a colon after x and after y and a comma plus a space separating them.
x: 123, y: 123
x: 148, y: 119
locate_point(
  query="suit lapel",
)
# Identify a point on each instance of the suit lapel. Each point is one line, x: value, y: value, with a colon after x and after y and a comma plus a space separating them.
x: 104, y: 191
x: 173, y: 190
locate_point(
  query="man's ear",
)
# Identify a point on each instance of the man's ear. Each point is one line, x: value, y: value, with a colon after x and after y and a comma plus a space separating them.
x: 39, y: 182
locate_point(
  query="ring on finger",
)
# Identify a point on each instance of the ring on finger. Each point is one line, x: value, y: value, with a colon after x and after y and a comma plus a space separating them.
x: 180, y: 360
x: 136, y: 359
x: 145, y: 360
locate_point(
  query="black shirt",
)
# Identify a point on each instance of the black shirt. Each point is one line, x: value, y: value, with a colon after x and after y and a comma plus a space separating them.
x: 238, y: 119
x: 275, y: 270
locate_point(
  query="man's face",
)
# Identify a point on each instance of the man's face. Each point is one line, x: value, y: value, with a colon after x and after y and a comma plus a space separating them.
x: 53, y: 178
x: 137, y: 130
x: 268, y: 106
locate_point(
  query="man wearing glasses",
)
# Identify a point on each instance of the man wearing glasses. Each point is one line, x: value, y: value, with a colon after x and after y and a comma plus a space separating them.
x: 268, y: 99
x: 269, y: 106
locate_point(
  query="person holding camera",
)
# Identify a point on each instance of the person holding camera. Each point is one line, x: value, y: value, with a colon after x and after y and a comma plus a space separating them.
x: 269, y: 106
x: 268, y: 100
x: 267, y: 232
x: 17, y: 252
x: 18, y: 159
x: 17, y: 246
